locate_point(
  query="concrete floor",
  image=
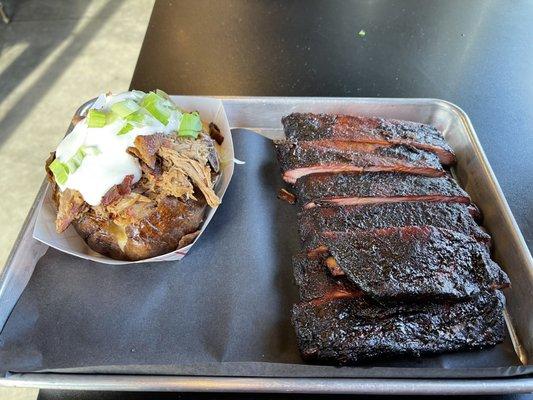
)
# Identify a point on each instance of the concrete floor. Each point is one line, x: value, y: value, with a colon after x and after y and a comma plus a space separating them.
x: 55, y: 55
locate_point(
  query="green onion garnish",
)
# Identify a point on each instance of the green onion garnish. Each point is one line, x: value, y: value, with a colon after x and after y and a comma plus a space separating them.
x: 90, y: 150
x: 159, y: 112
x: 137, y: 117
x: 75, y: 161
x: 125, y: 129
x: 125, y: 108
x: 60, y: 171
x: 190, y: 125
x: 138, y: 94
x: 96, y: 119
x: 157, y: 106
x: 162, y: 94
x: 111, y: 117
x: 150, y: 98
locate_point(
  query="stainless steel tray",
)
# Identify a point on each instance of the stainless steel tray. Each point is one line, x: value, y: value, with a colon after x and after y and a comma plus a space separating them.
x: 262, y: 115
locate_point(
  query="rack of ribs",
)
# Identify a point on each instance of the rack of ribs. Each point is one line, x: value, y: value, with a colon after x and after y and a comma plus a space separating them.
x: 394, y: 262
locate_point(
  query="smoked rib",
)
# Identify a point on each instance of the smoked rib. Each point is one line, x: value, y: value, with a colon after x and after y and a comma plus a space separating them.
x: 354, y: 329
x: 376, y: 188
x: 414, y: 262
x: 308, y: 126
x: 298, y: 159
x: 453, y: 216
x: 393, y: 262
x: 336, y: 323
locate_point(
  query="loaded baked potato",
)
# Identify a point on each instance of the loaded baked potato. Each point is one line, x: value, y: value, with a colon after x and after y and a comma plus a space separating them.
x: 134, y: 177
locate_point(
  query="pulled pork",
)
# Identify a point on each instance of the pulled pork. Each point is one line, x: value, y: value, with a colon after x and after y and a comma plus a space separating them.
x: 145, y: 148
x: 171, y: 167
x: 199, y: 173
x: 71, y: 206
x: 183, y: 164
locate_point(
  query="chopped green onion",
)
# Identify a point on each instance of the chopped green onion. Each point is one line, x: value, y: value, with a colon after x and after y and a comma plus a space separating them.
x: 75, y: 161
x: 96, y: 119
x: 188, y: 134
x: 157, y: 106
x: 138, y: 94
x: 125, y: 108
x: 159, y: 112
x: 162, y: 94
x: 150, y: 98
x: 90, y: 150
x: 125, y: 129
x: 60, y: 171
x: 111, y: 117
x: 190, y: 125
x: 137, y: 117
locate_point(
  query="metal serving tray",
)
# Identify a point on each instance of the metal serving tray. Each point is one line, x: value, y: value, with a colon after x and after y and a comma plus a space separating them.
x: 262, y: 115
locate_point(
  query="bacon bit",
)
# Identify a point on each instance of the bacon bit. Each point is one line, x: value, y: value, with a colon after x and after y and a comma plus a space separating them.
x: 117, y: 191
x: 146, y: 148
x: 76, y: 119
x: 315, y: 253
x: 333, y: 267
x: 289, y: 197
x: 215, y: 133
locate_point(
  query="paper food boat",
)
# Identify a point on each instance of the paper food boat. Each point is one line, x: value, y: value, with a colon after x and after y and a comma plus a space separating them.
x: 211, y: 110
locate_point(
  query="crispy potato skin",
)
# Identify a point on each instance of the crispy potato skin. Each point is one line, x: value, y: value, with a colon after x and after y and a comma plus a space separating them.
x: 156, y: 234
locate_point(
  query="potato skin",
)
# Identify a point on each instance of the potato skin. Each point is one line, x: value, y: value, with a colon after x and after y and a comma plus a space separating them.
x: 158, y: 233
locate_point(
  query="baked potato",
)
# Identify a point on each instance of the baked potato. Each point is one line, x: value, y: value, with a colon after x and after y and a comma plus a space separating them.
x: 167, y: 178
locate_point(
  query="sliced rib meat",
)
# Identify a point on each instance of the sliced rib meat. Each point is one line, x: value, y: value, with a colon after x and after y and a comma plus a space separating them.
x: 374, y: 188
x: 316, y: 282
x: 453, y: 216
x: 415, y: 262
x: 298, y: 159
x: 354, y: 329
x: 367, y: 130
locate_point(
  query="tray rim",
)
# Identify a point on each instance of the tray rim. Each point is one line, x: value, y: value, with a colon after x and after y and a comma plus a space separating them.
x: 285, y: 385
x: 269, y: 385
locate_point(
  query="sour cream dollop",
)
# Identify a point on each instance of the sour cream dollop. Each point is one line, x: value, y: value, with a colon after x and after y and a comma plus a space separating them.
x: 109, y: 162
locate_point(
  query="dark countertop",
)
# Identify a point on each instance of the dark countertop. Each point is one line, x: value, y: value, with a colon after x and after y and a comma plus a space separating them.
x: 476, y: 54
